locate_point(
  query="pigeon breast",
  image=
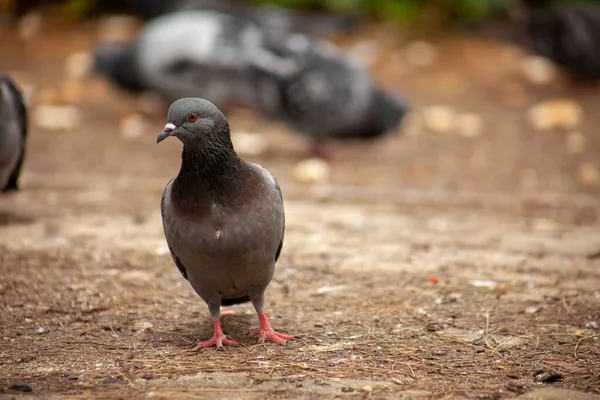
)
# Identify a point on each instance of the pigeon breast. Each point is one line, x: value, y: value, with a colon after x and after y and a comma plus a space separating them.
x: 228, y: 251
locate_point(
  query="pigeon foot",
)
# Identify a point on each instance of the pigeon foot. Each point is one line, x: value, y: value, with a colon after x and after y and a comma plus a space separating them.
x: 218, y: 339
x: 266, y: 332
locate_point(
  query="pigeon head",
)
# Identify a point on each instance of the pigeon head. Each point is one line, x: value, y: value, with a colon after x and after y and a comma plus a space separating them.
x: 197, y: 123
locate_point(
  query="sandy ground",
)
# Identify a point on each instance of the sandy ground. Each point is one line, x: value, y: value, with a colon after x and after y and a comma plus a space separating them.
x: 429, y: 266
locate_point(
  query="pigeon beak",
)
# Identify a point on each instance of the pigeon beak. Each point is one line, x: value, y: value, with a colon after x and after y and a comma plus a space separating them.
x: 167, y: 131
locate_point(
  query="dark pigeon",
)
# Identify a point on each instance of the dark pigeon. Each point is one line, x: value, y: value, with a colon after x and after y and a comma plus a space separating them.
x: 568, y: 34
x: 223, y: 218
x: 13, y: 134
x: 322, y: 92
x: 305, y: 82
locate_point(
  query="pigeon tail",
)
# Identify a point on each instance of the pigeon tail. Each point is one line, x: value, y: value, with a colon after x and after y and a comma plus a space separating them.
x: 117, y: 61
x: 239, y: 300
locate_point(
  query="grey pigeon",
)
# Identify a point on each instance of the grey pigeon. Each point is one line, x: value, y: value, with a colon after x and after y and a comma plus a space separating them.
x: 324, y: 94
x: 187, y: 54
x: 223, y: 218
x: 13, y: 134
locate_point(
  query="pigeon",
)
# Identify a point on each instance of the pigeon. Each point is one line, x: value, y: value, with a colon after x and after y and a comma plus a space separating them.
x: 223, y: 218
x: 324, y: 93
x: 305, y: 82
x: 567, y: 34
x: 13, y: 134
x: 186, y: 54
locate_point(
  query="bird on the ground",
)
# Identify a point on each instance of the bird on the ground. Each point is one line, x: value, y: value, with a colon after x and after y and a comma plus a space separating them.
x: 307, y: 83
x: 223, y: 218
x: 323, y: 93
x: 13, y: 134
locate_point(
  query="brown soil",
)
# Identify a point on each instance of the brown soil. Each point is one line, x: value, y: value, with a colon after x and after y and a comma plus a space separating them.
x: 92, y: 307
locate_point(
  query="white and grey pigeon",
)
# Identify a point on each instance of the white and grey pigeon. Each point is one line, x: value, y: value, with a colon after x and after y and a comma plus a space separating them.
x: 185, y: 54
x: 307, y: 83
x: 13, y: 134
x: 223, y: 218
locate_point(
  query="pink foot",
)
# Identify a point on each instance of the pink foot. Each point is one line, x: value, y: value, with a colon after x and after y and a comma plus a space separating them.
x: 218, y: 339
x: 266, y: 332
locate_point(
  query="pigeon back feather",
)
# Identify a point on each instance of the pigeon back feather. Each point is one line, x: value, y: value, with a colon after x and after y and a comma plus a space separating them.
x: 197, y: 54
x: 13, y: 134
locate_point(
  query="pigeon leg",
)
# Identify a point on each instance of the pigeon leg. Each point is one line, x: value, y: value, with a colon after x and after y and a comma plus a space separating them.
x: 219, y: 339
x: 265, y: 331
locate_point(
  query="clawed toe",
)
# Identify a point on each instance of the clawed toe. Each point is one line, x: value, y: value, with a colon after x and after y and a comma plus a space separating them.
x: 265, y: 332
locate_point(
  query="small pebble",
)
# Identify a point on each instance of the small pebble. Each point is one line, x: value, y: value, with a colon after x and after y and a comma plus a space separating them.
x: 532, y: 310
x: 312, y: 170
x: 555, y: 114
x: 439, y: 119
x: 538, y: 70
x: 55, y: 117
x: 143, y: 326
x: 484, y: 283
x: 78, y: 65
x: 161, y: 251
x: 40, y: 330
x: 420, y: 53
x: 575, y: 142
x: 367, y: 389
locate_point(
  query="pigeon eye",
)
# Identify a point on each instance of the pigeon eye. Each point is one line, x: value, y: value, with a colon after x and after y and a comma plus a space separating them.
x: 192, y: 117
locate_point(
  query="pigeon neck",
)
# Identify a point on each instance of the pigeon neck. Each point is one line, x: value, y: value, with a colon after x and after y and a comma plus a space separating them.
x: 209, y: 173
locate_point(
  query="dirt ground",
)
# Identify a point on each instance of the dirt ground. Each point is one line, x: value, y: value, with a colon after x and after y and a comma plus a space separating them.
x: 429, y: 266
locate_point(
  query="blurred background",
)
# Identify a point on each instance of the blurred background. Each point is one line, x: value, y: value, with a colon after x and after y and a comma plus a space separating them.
x: 439, y: 160
x: 486, y: 96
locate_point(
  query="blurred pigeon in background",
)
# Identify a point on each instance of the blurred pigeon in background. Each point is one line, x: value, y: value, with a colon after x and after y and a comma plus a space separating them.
x: 223, y: 218
x: 305, y: 82
x: 323, y: 93
x: 186, y: 54
x: 568, y: 34
x: 13, y: 133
